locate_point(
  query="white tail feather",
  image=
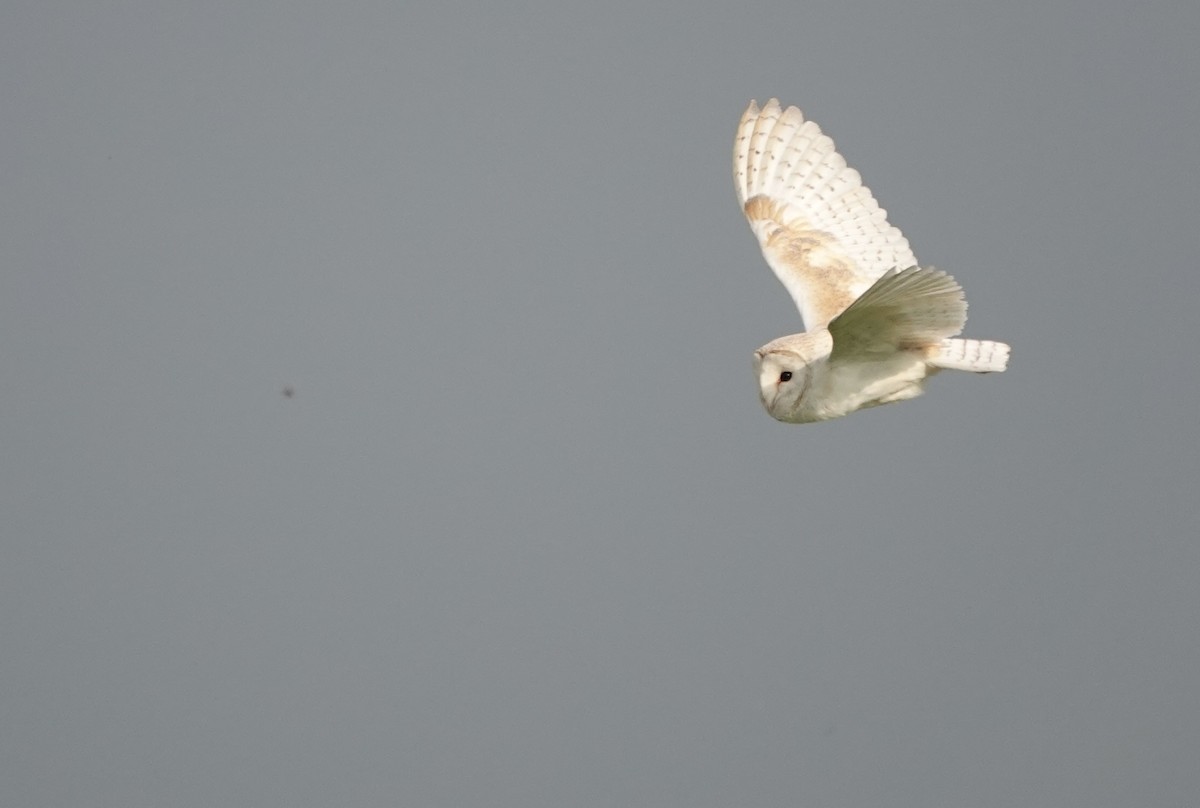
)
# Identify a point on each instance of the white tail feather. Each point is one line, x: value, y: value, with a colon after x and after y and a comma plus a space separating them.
x: 975, y: 355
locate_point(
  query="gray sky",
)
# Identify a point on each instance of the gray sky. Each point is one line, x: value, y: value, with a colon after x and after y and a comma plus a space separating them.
x: 524, y: 535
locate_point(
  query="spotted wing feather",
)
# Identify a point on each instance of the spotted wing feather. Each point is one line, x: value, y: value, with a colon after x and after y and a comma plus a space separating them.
x: 821, y: 231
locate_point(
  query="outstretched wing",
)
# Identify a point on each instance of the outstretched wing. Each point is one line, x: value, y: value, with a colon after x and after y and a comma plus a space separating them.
x: 820, y: 229
x: 913, y: 308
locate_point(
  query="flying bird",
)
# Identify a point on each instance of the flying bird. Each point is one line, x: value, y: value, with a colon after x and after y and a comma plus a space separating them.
x: 878, y: 324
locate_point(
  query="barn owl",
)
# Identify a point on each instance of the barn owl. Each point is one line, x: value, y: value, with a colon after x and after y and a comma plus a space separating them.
x: 878, y: 324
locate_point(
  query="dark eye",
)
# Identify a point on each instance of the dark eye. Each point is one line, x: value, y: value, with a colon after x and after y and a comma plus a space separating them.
x: 786, y: 376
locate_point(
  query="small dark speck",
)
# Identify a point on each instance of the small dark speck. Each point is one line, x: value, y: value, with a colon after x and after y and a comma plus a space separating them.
x: 289, y: 391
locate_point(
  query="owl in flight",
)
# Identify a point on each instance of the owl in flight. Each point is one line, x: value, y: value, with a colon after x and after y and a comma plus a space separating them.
x: 878, y: 324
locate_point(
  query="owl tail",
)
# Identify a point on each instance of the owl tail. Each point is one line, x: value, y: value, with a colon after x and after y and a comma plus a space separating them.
x: 975, y: 355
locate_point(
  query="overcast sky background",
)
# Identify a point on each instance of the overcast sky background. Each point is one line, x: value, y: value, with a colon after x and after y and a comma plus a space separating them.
x: 524, y: 535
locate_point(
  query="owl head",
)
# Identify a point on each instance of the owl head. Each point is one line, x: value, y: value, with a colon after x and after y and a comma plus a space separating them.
x: 784, y: 375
